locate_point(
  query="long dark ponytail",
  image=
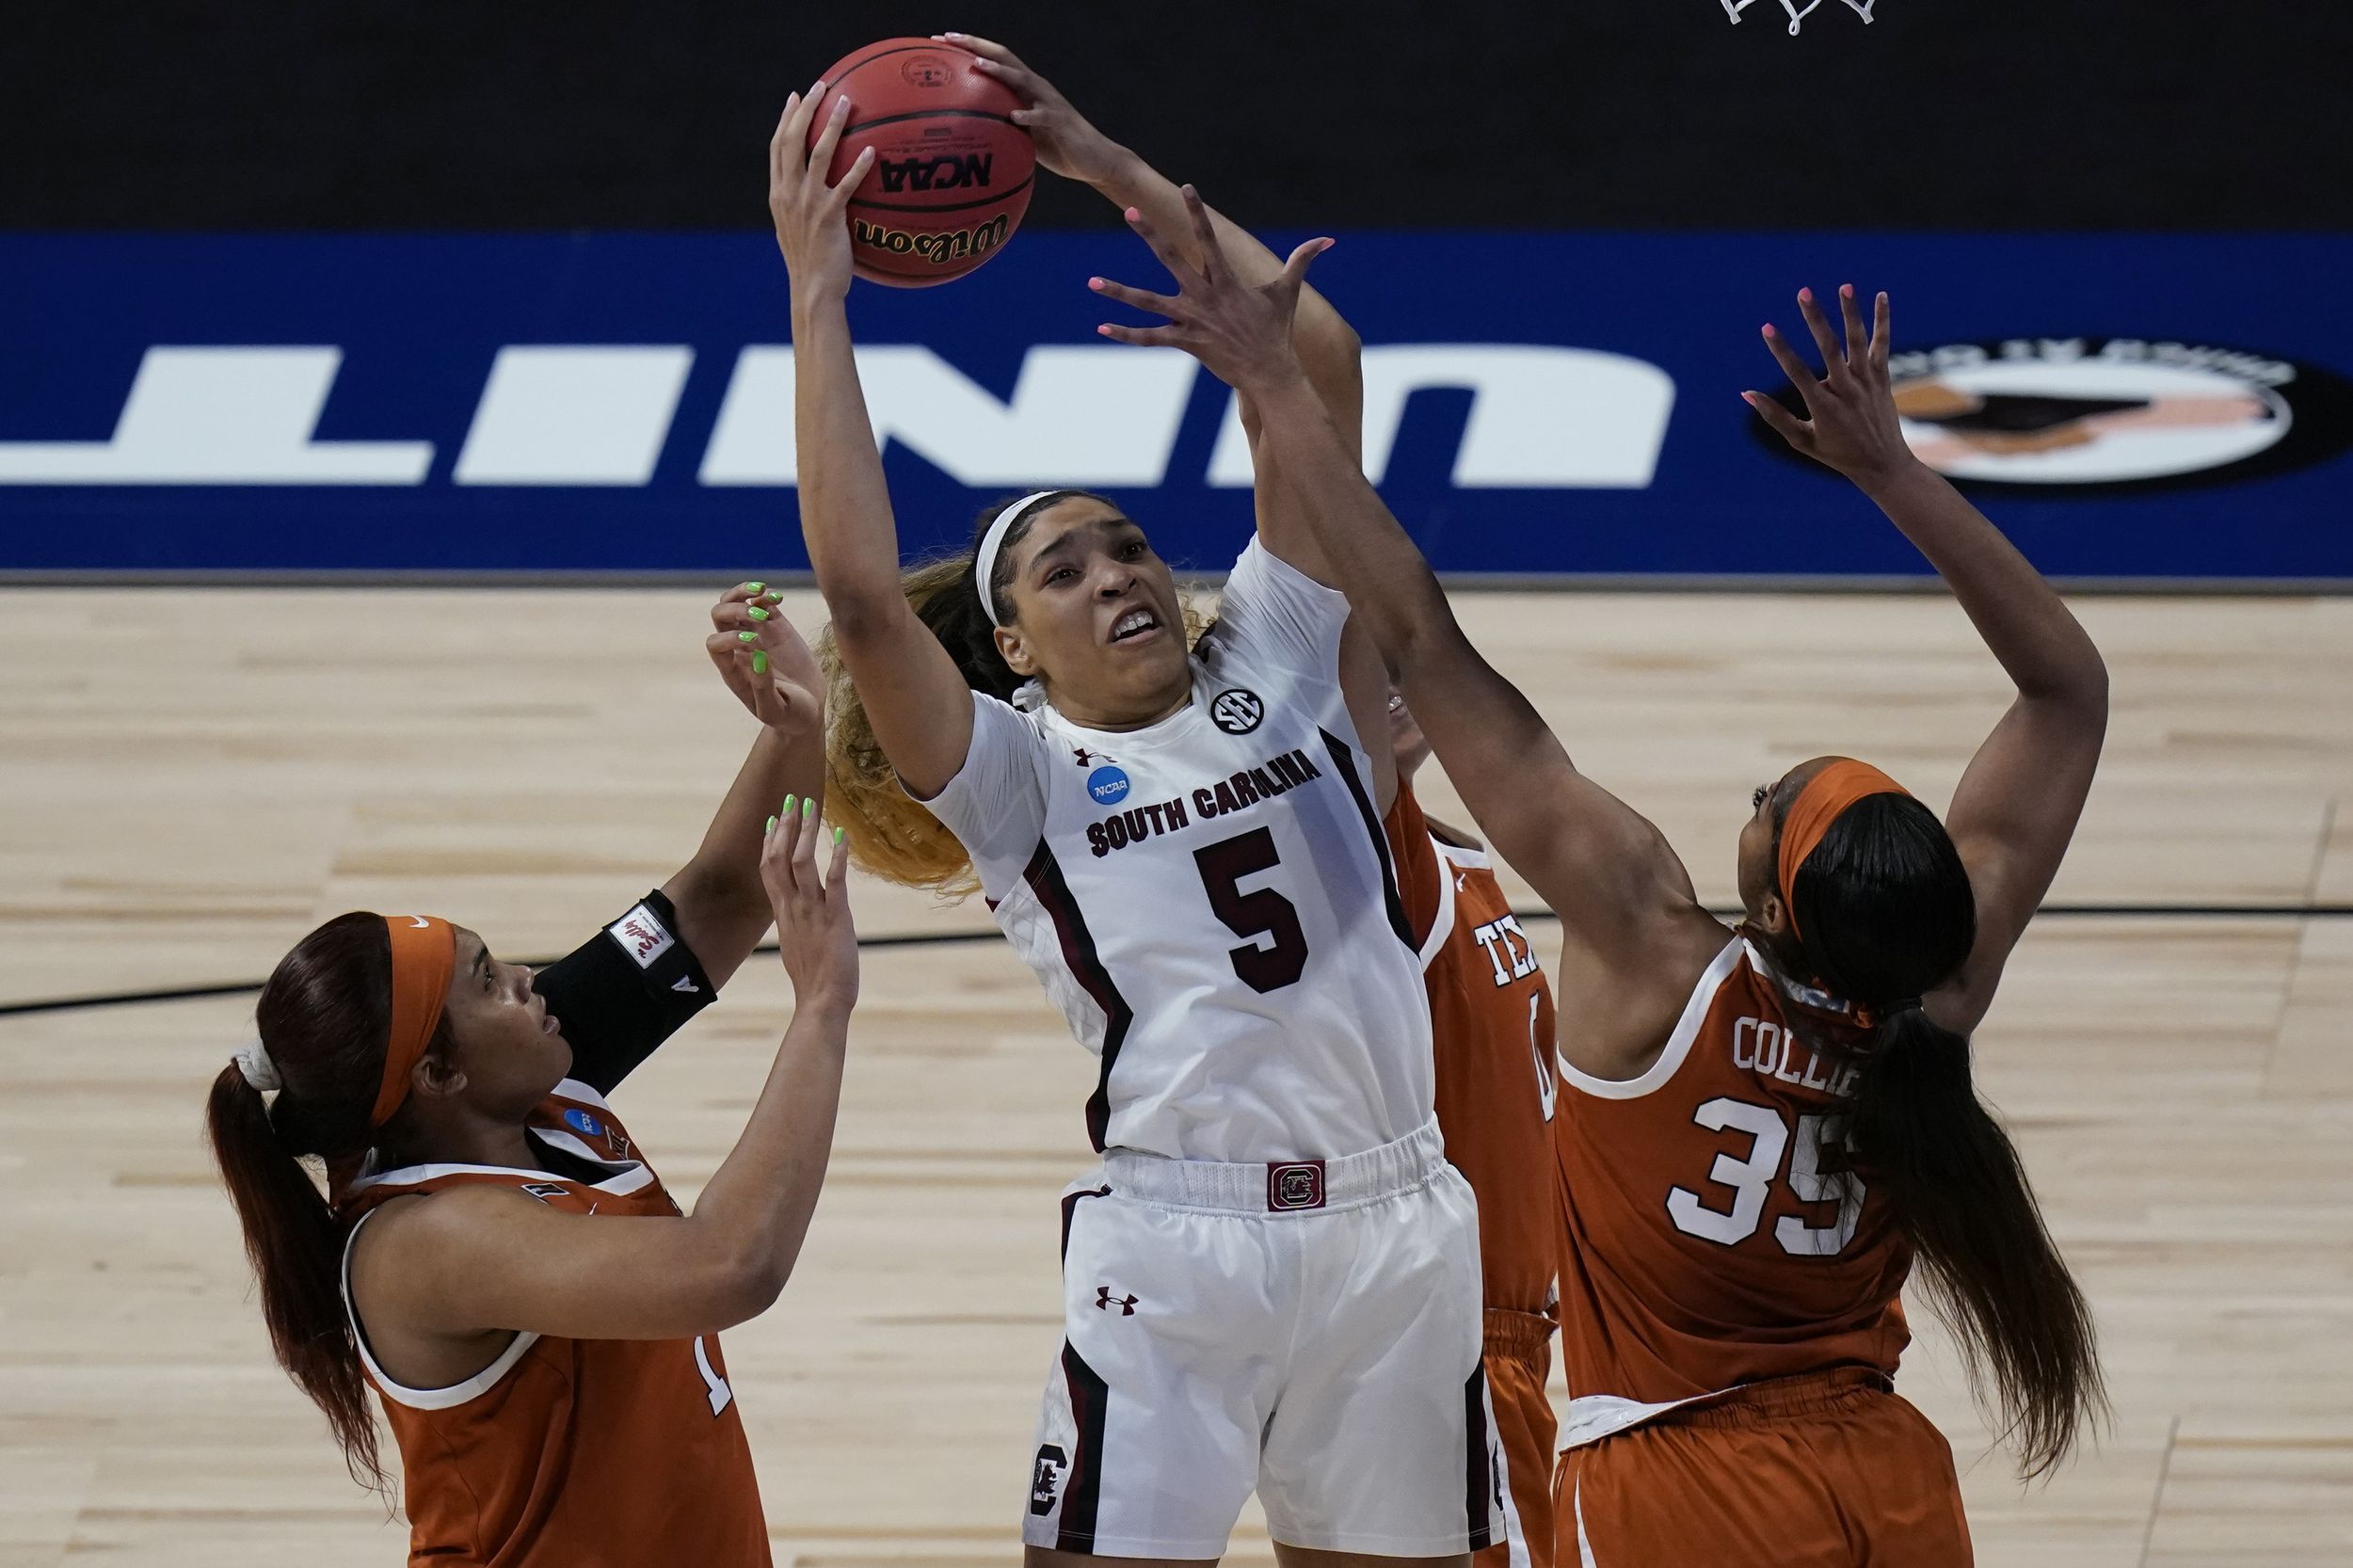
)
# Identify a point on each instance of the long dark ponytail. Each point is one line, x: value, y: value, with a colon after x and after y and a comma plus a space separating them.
x: 323, y: 1019
x: 1885, y: 912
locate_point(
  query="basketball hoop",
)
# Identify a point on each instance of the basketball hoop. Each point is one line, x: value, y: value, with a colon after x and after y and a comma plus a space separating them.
x: 1796, y: 17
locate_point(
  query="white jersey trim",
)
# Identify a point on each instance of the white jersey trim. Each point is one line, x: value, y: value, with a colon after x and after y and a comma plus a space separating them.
x: 1463, y: 855
x: 1678, y: 1045
x: 629, y: 1177
x: 426, y: 1399
x: 1594, y: 1417
x: 1442, y: 924
x: 572, y: 1089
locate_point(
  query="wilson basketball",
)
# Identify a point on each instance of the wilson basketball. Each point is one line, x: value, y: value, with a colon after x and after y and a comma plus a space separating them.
x: 952, y: 172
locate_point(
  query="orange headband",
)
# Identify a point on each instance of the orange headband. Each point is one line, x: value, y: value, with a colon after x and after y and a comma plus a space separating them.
x: 425, y: 951
x: 1824, y: 799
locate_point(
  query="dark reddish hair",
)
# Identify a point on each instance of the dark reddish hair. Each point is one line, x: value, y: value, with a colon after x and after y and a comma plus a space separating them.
x: 323, y: 1017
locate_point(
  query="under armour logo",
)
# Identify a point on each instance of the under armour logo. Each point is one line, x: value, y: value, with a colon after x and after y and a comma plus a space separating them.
x: 1084, y: 755
x: 1105, y: 1301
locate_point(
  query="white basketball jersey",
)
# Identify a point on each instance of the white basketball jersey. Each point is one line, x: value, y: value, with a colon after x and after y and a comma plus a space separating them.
x: 1209, y: 900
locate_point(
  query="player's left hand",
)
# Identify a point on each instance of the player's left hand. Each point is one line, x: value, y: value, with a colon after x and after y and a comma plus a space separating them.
x: 1242, y: 332
x: 1852, y: 425
x: 1067, y: 142
x: 764, y: 661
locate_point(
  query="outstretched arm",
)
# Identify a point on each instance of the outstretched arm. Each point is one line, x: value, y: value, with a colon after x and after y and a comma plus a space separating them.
x: 1606, y: 870
x: 2017, y: 805
x: 722, y: 908
x: 475, y: 1260
x: 1069, y: 145
x: 920, y: 707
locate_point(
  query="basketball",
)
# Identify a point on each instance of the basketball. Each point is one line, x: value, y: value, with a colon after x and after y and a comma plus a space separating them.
x: 952, y: 172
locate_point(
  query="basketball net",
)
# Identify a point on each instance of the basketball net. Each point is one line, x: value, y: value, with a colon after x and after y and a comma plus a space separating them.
x: 1796, y: 17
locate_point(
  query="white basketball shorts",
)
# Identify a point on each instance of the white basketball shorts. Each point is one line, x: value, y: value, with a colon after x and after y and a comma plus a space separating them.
x: 1311, y: 1330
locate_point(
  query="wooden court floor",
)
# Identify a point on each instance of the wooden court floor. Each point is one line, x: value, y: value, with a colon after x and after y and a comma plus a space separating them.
x: 191, y: 778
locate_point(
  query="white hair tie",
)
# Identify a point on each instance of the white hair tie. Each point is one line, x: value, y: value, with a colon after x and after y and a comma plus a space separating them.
x: 252, y: 1059
x: 985, y: 559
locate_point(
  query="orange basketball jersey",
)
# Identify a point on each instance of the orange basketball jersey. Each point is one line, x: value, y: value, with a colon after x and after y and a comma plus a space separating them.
x: 1714, y: 1237
x: 567, y: 1453
x: 1491, y: 1023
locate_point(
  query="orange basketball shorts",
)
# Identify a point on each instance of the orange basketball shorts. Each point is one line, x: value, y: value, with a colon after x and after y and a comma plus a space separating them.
x: 1831, y: 1470
x: 1519, y: 1360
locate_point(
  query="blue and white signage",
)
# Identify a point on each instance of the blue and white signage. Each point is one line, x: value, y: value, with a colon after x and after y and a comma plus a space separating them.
x: 2129, y: 408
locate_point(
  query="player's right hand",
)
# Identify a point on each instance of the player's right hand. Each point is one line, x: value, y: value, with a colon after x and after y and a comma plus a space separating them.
x: 1067, y: 142
x: 812, y: 217
x: 766, y: 661
x: 814, y: 932
x: 1241, y: 330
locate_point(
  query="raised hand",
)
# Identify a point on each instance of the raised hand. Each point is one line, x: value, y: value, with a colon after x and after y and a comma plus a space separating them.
x: 1240, y: 331
x: 815, y: 931
x: 1068, y: 143
x: 764, y: 661
x: 1851, y: 424
x: 813, y: 226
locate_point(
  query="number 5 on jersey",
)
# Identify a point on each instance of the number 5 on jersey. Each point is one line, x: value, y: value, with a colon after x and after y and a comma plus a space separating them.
x: 1260, y: 913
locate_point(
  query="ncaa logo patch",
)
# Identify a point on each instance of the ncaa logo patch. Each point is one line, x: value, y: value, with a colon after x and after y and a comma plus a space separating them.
x: 583, y: 1123
x: 1108, y: 786
x: 1236, y: 710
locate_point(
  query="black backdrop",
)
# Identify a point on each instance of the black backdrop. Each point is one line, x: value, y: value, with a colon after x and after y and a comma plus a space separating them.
x: 527, y: 114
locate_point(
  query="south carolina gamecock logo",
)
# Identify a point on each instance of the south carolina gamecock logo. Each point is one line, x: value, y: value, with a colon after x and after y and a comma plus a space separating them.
x: 1046, y: 1479
x: 1297, y: 1186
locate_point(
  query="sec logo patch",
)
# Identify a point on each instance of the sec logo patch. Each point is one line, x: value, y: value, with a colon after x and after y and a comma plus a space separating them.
x: 1107, y: 786
x: 1236, y: 710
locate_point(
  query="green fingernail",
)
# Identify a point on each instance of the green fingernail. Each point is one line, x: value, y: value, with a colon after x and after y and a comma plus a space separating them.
x: 775, y: 598
x: 754, y: 587
x: 747, y: 636
x: 771, y: 825
x: 759, y: 663
x: 808, y: 807
x: 787, y: 804
x: 757, y: 612
x: 837, y: 835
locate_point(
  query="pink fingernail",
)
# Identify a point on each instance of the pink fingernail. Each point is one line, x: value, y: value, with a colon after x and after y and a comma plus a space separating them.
x: 1104, y: 331
x: 1806, y: 295
x: 1134, y: 217
x: 1095, y: 282
x: 1767, y: 329
x: 1846, y: 291
x: 1748, y: 398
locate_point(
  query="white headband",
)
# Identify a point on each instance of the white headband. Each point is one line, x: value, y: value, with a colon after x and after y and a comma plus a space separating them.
x: 253, y: 1060
x: 984, y: 560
